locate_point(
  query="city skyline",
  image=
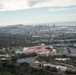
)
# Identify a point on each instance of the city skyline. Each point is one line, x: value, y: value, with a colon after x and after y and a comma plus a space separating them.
x: 36, y: 11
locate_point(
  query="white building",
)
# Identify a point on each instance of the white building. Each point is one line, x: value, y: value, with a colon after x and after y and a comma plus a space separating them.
x: 4, y: 56
x: 63, y: 59
x: 63, y: 68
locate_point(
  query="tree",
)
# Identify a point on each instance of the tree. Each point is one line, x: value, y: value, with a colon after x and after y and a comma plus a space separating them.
x: 69, y: 52
x: 8, y: 64
x: 70, y: 72
x: 47, y: 67
x: 6, y: 73
x: 24, y: 64
x: 53, y: 69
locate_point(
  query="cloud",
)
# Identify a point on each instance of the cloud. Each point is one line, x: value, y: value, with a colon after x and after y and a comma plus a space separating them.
x: 34, y: 2
x: 62, y: 8
x: 1, y: 6
x: 11, y: 5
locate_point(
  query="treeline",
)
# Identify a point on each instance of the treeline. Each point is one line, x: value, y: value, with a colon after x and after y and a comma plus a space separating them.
x: 27, y: 40
x: 9, y: 68
x: 14, y: 40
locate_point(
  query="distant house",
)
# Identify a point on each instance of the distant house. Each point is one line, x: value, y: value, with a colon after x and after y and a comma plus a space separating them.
x: 36, y: 63
x: 63, y: 59
x: 18, y: 52
x: 20, y: 60
x: 29, y: 60
x: 4, y: 56
x: 74, y: 45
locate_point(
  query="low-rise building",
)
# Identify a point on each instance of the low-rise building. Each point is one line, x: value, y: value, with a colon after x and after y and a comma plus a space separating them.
x: 59, y: 67
x: 63, y: 59
x: 29, y: 60
x: 4, y: 57
x: 40, y: 50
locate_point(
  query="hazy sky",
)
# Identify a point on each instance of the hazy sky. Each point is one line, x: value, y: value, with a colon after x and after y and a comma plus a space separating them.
x: 36, y: 11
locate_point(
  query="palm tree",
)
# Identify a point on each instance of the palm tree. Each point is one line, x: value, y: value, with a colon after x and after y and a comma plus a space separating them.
x: 69, y: 51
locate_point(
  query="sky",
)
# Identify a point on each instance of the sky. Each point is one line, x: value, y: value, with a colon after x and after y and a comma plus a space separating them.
x: 36, y: 11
